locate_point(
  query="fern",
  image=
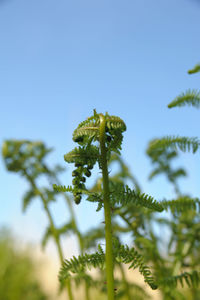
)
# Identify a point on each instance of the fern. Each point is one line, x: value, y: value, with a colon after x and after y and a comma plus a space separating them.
x: 182, y: 143
x: 190, y: 97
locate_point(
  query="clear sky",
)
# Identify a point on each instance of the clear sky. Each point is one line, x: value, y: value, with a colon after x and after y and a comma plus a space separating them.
x: 61, y: 59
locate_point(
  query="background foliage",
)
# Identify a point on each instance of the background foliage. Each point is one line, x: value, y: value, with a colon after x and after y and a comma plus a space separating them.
x: 17, y: 272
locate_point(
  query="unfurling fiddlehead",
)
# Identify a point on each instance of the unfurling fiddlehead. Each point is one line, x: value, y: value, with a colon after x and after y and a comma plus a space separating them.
x: 87, y: 155
x: 107, y: 131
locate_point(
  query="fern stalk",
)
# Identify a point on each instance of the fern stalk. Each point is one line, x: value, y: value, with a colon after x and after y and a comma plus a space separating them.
x: 107, y: 212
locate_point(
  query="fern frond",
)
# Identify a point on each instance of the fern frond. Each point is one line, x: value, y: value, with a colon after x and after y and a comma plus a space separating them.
x: 20, y: 155
x: 87, y: 130
x: 71, y: 189
x: 182, y: 204
x: 130, y: 256
x: 190, y: 279
x: 97, y: 260
x: 78, y: 265
x: 83, y: 156
x: 115, y: 126
x: 92, y: 196
x: 195, y: 69
x: 122, y: 195
x: 190, y: 97
x: 113, y: 122
x: 87, y: 154
x: 182, y: 143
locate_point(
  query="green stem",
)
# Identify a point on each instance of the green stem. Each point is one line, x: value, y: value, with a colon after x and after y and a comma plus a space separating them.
x: 53, y: 230
x: 107, y: 212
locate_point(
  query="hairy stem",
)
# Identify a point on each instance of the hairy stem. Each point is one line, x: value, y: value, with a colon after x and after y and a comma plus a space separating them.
x: 53, y: 230
x: 107, y: 212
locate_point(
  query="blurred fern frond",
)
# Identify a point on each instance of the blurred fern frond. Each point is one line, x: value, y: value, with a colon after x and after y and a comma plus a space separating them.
x: 122, y: 254
x: 182, y: 204
x: 190, y: 279
x: 122, y: 195
x: 78, y: 264
x: 175, y: 142
x: 195, y: 69
x: 190, y: 97
x: 130, y: 256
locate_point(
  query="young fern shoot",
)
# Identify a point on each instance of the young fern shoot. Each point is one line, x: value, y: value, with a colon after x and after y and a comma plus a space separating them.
x: 107, y: 130
x: 98, y: 137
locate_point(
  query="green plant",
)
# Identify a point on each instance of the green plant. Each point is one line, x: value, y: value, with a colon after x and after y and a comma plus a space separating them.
x: 98, y: 137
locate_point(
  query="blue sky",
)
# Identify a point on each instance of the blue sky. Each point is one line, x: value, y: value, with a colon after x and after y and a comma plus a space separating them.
x: 61, y: 59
